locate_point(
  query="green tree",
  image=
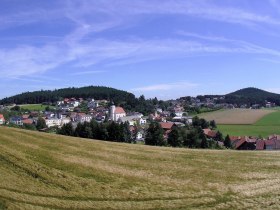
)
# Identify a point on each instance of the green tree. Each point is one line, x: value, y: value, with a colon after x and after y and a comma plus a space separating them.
x: 16, y: 108
x: 174, y: 139
x: 41, y: 123
x: 213, y: 124
x: 47, y: 109
x: 219, y: 136
x: 204, y: 143
x: 126, y: 133
x: 154, y: 135
x: 227, y: 142
x: 66, y: 129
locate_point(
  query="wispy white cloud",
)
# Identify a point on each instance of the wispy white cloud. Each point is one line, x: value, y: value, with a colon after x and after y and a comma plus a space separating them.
x: 26, y: 60
x: 89, y: 17
x: 166, y: 87
x: 86, y: 73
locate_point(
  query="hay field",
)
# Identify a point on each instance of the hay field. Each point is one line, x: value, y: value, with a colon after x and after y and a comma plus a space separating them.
x: 45, y: 171
x: 237, y: 116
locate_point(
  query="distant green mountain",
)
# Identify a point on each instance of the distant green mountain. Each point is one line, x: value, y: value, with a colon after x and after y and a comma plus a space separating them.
x: 96, y: 92
x: 252, y: 96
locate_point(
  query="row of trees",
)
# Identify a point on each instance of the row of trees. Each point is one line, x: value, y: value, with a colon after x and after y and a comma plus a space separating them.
x: 192, y: 137
x: 110, y: 131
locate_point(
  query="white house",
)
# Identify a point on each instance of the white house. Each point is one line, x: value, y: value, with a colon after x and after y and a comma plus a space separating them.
x: 82, y: 117
x: 75, y: 103
x: 179, y: 114
x: 133, y: 120
x: 142, y: 121
x: 2, y: 119
x: 116, y: 113
x: 53, y: 121
x: 16, y: 120
x: 93, y: 104
x: 65, y: 120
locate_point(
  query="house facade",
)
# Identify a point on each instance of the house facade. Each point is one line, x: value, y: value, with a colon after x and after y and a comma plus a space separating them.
x: 16, y: 120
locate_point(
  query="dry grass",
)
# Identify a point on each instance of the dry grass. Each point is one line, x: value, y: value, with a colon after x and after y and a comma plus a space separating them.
x: 236, y: 116
x: 43, y: 171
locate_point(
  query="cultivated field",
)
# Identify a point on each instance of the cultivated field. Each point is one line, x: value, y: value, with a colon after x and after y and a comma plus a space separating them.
x: 44, y: 171
x: 236, y: 116
x: 268, y: 125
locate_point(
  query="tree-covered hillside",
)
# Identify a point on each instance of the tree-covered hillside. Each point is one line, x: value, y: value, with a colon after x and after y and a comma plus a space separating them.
x: 96, y: 92
x: 252, y: 96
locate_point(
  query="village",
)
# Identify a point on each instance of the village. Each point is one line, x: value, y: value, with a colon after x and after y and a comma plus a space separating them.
x: 75, y: 111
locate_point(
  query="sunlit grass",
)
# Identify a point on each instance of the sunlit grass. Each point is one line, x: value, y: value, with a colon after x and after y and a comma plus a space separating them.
x: 56, y: 172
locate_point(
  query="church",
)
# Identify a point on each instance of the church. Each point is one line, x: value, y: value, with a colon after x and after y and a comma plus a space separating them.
x: 116, y: 113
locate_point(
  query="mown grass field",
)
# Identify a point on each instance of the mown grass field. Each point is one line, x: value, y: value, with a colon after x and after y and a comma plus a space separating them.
x: 35, y: 107
x: 249, y: 130
x: 45, y: 171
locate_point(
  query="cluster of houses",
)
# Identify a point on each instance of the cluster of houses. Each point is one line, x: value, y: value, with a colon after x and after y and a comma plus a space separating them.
x: 70, y: 110
x: 215, y: 103
x: 249, y: 142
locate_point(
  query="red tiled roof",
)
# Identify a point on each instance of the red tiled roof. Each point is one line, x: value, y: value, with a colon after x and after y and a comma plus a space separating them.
x: 210, y: 133
x: 167, y: 125
x: 260, y: 145
x: 269, y: 142
x: 81, y: 114
x: 25, y: 116
x: 234, y: 138
x: 239, y: 143
x: 27, y: 121
x: 119, y: 110
x: 206, y: 131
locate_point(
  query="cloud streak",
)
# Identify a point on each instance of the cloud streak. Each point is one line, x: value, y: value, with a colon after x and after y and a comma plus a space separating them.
x: 166, y: 87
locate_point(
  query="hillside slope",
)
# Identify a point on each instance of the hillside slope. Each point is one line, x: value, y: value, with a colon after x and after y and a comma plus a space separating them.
x: 48, y: 171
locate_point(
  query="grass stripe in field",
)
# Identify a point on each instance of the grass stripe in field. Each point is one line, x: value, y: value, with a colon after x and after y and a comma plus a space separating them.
x: 249, y: 130
x: 272, y: 119
x: 35, y: 107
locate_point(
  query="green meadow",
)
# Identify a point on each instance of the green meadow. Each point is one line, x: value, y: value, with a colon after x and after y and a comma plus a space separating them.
x: 47, y: 171
x: 35, y: 107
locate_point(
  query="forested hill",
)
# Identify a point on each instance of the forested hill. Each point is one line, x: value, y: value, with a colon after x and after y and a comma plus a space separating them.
x: 252, y: 96
x: 96, y: 92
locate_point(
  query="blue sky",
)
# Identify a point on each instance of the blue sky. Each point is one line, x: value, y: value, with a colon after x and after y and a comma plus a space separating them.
x: 163, y: 48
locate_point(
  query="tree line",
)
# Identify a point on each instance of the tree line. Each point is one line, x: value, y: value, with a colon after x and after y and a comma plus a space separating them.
x: 191, y: 136
x: 109, y: 131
